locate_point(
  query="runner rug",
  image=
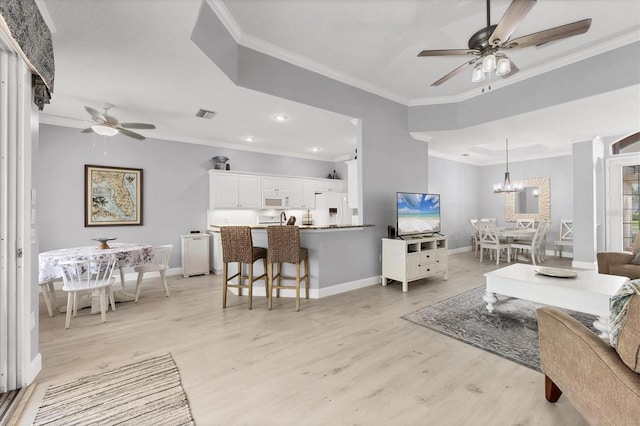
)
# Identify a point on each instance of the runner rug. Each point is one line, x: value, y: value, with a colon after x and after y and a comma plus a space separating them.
x: 511, y: 331
x: 147, y: 392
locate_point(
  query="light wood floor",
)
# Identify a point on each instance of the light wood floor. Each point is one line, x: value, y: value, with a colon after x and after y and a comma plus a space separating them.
x: 348, y: 359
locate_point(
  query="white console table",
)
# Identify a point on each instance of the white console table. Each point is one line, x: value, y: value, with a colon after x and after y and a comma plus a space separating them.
x: 414, y: 259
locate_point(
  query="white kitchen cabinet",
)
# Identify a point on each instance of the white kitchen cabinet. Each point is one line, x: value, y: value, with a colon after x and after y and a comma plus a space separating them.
x: 352, y: 183
x: 275, y: 184
x: 195, y: 254
x: 413, y: 259
x: 216, y: 253
x: 229, y: 190
x: 302, y: 193
x: 329, y: 185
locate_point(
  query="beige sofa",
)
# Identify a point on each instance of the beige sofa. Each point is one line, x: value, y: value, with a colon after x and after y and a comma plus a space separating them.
x: 618, y: 263
x: 602, y: 384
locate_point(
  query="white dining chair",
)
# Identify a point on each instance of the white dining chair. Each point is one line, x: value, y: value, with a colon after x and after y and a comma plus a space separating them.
x: 526, y: 223
x: 489, y: 240
x: 49, y: 295
x: 162, y: 255
x: 88, y: 275
x: 475, y: 237
x: 535, y: 246
x: 566, y: 237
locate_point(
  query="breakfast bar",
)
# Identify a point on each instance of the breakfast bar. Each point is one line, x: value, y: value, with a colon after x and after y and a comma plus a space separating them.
x: 333, y: 268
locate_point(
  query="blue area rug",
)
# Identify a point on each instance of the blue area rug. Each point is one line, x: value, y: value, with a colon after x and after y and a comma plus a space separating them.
x: 511, y: 331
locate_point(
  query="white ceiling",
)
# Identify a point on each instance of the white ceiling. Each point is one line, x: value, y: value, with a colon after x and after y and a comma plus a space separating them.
x: 137, y: 55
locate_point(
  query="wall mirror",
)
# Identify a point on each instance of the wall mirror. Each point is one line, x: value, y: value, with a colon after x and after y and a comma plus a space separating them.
x: 534, y: 202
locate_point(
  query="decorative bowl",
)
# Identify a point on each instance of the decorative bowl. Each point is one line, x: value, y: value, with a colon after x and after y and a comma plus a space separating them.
x: 103, y: 242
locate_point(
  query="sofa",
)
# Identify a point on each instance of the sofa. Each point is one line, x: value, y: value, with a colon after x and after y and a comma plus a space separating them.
x: 619, y: 263
x: 601, y: 382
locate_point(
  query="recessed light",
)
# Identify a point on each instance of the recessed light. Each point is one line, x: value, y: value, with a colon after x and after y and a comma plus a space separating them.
x: 315, y: 149
x: 250, y: 139
x: 465, y: 154
x: 280, y: 117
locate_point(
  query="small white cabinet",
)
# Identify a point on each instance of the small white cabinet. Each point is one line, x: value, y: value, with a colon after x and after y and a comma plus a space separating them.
x: 195, y: 254
x: 413, y: 259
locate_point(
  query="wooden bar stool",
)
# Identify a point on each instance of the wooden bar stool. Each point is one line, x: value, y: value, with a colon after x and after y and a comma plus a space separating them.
x: 237, y: 246
x: 284, y: 247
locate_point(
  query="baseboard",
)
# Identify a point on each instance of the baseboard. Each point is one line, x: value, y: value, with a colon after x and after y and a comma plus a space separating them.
x: 315, y: 293
x: 460, y: 250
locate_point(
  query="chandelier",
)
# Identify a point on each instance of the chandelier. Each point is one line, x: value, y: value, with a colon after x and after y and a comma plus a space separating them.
x: 507, y: 186
x: 491, y: 62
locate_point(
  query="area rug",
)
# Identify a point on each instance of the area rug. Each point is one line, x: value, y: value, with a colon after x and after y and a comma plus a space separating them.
x: 147, y: 392
x: 511, y: 331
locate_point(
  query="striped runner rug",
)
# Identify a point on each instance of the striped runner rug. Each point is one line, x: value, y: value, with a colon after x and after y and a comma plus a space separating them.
x: 147, y: 392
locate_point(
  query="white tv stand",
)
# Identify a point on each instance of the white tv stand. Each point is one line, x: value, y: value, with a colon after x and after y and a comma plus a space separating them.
x: 414, y: 259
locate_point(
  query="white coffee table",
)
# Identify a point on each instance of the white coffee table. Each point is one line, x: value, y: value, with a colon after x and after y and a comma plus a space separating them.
x: 589, y: 292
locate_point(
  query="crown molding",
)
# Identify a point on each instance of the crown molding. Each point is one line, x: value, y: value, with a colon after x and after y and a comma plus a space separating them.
x: 55, y: 120
x: 614, y: 43
x: 262, y: 46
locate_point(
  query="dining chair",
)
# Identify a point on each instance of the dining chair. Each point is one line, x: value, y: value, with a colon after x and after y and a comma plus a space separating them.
x: 542, y: 243
x: 49, y: 295
x: 566, y: 237
x: 475, y: 237
x: 88, y: 275
x: 237, y: 246
x: 535, y: 246
x: 162, y: 254
x: 284, y: 247
x: 489, y: 240
x: 526, y: 223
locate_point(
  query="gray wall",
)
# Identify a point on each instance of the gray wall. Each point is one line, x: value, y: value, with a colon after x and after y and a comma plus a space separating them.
x: 175, y: 182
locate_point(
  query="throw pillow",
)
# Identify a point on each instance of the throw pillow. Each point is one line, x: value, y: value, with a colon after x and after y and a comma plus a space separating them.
x: 628, y: 346
x: 636, y: 259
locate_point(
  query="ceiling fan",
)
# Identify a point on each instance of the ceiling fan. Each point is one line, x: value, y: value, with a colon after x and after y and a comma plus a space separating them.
x: 488, y: 43
x: 108, y: 125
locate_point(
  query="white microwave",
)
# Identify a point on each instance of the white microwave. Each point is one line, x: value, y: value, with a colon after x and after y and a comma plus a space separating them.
x: 275, y: 200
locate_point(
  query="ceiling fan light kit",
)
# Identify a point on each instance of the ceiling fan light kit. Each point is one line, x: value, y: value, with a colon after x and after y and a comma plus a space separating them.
x: 107, y: 125
x: 487, y: 42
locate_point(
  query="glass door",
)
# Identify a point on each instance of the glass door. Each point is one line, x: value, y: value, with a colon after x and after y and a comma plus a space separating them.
x: 630, y: 205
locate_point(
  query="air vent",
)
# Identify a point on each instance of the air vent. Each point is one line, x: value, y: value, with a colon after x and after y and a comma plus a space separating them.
x: 203, y: 113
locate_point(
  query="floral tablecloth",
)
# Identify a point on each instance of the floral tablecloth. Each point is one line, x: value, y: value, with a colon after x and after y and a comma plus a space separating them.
x: 128, y: 254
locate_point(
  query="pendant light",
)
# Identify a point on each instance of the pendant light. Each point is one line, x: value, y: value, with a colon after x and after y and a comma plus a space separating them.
x: 507, y: 186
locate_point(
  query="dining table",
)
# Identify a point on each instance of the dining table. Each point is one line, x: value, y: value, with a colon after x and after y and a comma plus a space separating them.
x: 127, y: 255
x: 511, y: 233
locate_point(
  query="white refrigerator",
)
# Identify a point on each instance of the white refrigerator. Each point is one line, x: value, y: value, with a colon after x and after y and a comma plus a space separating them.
x: 331, y: 209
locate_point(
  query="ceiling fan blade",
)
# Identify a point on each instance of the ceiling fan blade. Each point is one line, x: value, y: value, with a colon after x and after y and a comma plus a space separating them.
x: 137, y: 126
x: 87, y: 130
x: 455, y: 72
x: 556, y: 33
x: 449, y: 52
x: 131, y: 134
x: 95, y: 114
x: 110, y: 119
x: 516, y: 12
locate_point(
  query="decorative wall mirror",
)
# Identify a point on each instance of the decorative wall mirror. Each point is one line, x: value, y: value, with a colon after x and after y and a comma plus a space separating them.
x: 534, y: 202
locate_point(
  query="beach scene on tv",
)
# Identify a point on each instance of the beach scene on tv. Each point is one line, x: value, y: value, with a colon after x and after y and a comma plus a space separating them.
x: 418, y: 213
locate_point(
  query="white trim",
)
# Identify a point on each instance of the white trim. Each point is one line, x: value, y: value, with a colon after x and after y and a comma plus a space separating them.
x: 267, y: 48
x: 315, y: 293
x: 460, y: 250
x: 31, y: 370
x: 613, y: 194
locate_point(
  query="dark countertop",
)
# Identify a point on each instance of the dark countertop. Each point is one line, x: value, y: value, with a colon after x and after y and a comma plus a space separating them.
x: 216, y: 228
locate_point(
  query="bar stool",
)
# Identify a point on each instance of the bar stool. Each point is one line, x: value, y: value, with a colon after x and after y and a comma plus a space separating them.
x: 237, y: 246
x: 284, y: 247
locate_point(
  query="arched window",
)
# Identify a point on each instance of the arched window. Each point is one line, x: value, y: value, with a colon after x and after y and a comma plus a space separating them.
x: 627, y: 145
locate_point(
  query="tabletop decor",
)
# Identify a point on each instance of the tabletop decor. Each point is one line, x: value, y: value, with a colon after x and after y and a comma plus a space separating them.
x: 510, y: 332
x: 147, y: 392
x: 103, y: 242
x: 113, y: 196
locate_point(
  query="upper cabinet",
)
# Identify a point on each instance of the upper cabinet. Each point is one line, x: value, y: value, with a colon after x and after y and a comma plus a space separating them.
x: 237, y: 190
x: 302, y: 193
x: 275, y: 184
x: 229, y: 190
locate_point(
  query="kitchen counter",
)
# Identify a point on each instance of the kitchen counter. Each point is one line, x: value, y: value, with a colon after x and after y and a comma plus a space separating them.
x: 216, y: 228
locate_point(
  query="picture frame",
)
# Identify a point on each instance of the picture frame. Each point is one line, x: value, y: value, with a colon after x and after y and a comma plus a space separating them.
x: 112, y: 196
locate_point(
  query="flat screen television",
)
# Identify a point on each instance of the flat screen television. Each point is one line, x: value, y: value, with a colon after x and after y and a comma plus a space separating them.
x: 417, y: 213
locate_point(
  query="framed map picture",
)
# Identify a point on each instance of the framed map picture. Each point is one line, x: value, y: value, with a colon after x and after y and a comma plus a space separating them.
x: 112, y: 196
